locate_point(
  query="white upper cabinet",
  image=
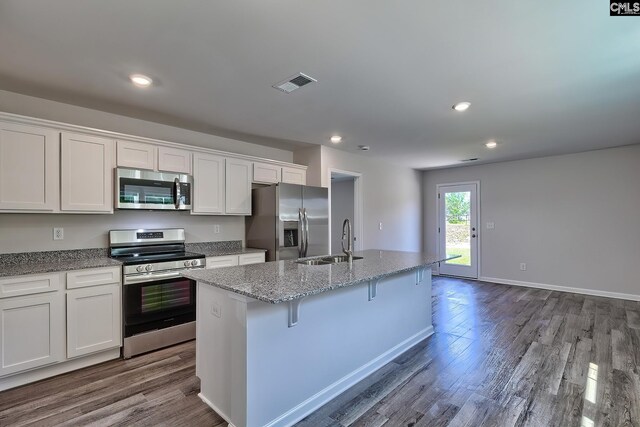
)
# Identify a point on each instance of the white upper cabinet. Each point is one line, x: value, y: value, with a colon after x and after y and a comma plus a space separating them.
x: 238, y: 187
x: 136, y: 155
x: 208, y: 184
x: 266, y: 173
x: 294, y: 176
x: 174, y: 160
x: 29, y: 168
x: 87, y: 173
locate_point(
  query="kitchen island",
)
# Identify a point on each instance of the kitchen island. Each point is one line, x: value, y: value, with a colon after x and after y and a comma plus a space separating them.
x: 275, y: 341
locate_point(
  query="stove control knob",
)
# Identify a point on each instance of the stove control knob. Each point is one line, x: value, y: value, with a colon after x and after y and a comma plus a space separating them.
x: 149, y: 267
x: 195, y: 263
x: 140, y: 268
x: 187, y: 263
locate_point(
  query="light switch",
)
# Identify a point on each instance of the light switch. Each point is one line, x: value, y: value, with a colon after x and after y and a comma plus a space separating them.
x: 491, y: 225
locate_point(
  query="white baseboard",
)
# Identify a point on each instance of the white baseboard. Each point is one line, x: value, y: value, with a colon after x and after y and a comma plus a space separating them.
x: 582, y: 291
x: 216, y: 409
x: 316, y: 401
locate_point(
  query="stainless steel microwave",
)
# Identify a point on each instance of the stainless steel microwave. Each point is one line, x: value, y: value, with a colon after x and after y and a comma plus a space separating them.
x: 141, y: 189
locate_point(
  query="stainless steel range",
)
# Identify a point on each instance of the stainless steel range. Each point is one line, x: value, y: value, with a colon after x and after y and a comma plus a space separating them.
x: 159, y: 305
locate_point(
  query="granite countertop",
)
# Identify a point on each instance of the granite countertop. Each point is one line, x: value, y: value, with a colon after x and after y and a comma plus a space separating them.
x: 22, y: 263
x: 19, y: 264
x: 276, y: 282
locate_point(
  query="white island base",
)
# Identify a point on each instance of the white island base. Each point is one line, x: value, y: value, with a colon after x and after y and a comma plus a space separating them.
x: 258, y: 367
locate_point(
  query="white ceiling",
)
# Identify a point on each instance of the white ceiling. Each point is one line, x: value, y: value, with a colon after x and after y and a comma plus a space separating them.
x: 544, y: 77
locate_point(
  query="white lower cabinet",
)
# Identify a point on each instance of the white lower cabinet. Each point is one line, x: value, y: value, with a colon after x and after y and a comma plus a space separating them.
x: 93, y: 319
x: 246, y: 259
x: 31, y: 332
x: 221, y: 261
x: 233, y: 260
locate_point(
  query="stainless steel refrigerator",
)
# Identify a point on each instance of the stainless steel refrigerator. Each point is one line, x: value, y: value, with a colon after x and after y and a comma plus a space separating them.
x: 290, y: 221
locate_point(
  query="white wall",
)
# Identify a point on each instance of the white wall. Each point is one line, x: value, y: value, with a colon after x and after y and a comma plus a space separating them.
x: 391, y: 194
x: 572, y: 218
x: 341, y: 208
x: 34, y: 232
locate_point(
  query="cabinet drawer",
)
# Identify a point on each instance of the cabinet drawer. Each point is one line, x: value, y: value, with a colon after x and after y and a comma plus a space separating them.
x: 245, y: 259
x: 93, y: 277
x: 26, y: 285
x: 222, y: 261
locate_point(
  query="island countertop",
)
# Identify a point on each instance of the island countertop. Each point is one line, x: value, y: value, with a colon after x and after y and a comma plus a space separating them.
x: 276, y: 282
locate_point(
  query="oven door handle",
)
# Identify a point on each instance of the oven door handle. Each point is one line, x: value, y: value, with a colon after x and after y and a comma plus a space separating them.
x: 132, y: 280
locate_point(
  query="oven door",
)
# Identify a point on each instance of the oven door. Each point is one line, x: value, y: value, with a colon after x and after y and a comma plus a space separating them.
x: 139, y: 189
x: 159, y: 304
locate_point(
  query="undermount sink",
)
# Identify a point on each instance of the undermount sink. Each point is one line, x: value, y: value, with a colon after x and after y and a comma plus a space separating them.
x: 314, y: 262
x: 340, y: 258
x: 335, y: 259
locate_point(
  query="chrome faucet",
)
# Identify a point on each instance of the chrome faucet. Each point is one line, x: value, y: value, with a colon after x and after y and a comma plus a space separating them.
x: 348, y: 233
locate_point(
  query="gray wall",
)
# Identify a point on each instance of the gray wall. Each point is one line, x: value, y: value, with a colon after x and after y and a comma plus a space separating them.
x: 392, y: 195
x: 341, y: 208
x: 15, y: 103
x: 34, y: 232
x: 572, y: 218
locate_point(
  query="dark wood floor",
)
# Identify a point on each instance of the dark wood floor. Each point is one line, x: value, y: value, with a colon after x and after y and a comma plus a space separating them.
x: 501, y: 356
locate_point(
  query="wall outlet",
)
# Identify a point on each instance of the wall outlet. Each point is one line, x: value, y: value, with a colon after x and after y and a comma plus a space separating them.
x: 216, y: 229
x: 215, y: 309
x: 523, y: 266
x: 379, y: 226
x: 58, y: 233
x: 491, y: 225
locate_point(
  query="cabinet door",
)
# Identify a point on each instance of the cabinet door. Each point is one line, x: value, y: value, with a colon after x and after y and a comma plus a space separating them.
x: 208, y: 184
x: 136, y: 155
x: 221, y: 261
x: 246, y: 259
x: 29, y: 168
x: 264, y: 172
x: 238, y: 187
x: 174, y: 160
x: 93, y: 319
x: 31, y: 332
x: 87, y: 173
x: 294, y: 176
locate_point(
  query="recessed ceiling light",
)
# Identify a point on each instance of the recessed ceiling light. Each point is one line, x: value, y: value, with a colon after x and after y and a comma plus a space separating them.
x: 491, y: 144
x: 462, y: 106
x: 140, y: 80
x: 364, y: 147
x: 336, y: 139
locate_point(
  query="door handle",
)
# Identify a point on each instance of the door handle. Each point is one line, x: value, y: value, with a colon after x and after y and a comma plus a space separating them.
x: 176, y: 193
x: 300, y: 234
x: 306, y: 230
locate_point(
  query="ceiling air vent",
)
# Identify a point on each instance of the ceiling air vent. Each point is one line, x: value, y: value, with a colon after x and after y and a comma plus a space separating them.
x: 470, y: 160
x: 294, y: 82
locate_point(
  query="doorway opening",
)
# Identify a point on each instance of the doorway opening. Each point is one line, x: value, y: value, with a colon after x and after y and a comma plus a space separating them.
x: 345, y: 202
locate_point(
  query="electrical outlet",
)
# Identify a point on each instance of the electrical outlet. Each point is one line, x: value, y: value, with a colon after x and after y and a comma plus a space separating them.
x: 523, y: 266
x: 380, y: 226
x: 216, y: 229
x: 215, y: 309
x: 58, y: 233
x: 491, y: 225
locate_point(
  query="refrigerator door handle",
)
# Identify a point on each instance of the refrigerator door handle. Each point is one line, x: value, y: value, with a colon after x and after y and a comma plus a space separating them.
x: 306, y: 230
x: 300, y: 234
